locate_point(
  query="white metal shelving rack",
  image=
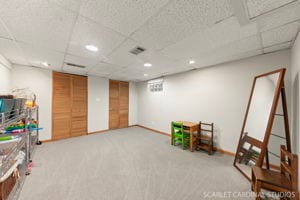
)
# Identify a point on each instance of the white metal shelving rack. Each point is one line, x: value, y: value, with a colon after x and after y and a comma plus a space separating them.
x: 17, y: 153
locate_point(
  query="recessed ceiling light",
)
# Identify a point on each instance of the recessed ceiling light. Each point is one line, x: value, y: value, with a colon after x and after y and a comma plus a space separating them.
x: 91, y: 47
x: 45, y: 64
x: 191, y: 62
x: 147, y: 65
x: 145, y: 74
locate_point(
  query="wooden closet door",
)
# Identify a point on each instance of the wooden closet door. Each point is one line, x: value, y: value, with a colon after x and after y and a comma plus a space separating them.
x: 61, y: 107
x: 69, y: 106
x: 113, y: 104
x: 118, y: 104
x: 123, y: 104
x: 79, y: 105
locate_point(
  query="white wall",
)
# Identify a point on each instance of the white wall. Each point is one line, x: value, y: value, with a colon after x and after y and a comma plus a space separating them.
x: 40, y: 82
x: 98, y: 96
x: 295, y: 72
x: 216, y: 94
x: 5, y: 76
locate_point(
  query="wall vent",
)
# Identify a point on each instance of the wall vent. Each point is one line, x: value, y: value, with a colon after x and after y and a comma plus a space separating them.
x: 137, y: 50
x: 75, y: 65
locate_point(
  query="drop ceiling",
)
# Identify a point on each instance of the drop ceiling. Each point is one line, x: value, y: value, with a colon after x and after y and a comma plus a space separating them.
x: 172, y: 32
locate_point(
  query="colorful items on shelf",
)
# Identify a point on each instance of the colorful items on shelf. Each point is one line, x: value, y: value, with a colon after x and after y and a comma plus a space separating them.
x: 20, y: 125
x: 8, y: 137
x: 18, y: 128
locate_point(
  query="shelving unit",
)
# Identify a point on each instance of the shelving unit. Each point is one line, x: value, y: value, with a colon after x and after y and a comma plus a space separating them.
x: 205, y: 137
x: 16, y: 153
x: 13, y: 155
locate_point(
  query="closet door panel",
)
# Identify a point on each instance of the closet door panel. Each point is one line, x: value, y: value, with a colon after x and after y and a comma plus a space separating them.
x: 61, y: 93
x: 69, y: 105
x: 61, y: 107
x: 79, y: 105
x: 123, y: 119
x: 79, y: 126
x: 113, y: 104
x: 123, y: 104
x: 61, y: 126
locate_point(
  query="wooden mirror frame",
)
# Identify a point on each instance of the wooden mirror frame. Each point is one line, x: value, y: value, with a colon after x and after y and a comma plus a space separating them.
x: 264, y: 144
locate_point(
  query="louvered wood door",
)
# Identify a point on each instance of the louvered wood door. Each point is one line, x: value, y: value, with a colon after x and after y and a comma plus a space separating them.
x: 79, y: 105
x: 118, y: 104
x: 69, y: 106
x: 61, y: 106
x: 113, y: 104
x: 123, y: 104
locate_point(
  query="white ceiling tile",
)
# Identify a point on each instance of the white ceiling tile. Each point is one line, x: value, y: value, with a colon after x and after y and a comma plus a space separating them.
x: 104, y: 69
x: 228, y: 52
x: 121, y: 56
x: 259, y: 7
x: 124, y: 16
x: 280, y: 17
x: 73, y: 5
x: 176, y: 71
x: 281, y: 34
x: 36, y: 55
x: 125, y: 73
x: 37, y: 22
x: 87, y: 32
x: 75, y: 70
x: 180, y: 19
x: 243, y: 45
x: 214, y: 37
x: 87, y: 62
x: 160, y: 63
x: 10, y: 50
x: 219, y: 58
x: 3, y: 32
x: 229, y: 31
x: 277, y: 47
x: 243, y: 55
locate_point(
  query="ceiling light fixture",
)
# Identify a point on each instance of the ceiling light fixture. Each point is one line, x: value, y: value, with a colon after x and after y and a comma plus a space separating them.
x: 147, y: 65
x: 45, y: 64
x: 91, y: 47
x: 145, y: 75
x: 191, y: 62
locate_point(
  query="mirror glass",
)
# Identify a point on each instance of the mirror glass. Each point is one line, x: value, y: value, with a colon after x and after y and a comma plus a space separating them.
x: 256, y: 122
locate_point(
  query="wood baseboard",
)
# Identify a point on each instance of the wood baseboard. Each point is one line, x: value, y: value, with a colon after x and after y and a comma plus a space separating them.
x: 95, y: 132
x: 132, y: 125
x: 224, y: 152
x: 169, y: 135
x: 46, y: 141
x: 153, y: 130
x: 89, y: 133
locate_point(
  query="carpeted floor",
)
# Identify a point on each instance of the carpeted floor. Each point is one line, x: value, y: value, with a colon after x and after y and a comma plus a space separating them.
x: 129, y: 164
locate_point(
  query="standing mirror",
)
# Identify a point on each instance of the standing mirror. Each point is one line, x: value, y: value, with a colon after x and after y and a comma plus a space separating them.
x: 252, y: 148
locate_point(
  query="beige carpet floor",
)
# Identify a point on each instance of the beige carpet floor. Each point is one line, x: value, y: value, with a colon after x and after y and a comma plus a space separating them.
x: 129, y: 164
